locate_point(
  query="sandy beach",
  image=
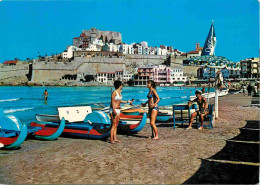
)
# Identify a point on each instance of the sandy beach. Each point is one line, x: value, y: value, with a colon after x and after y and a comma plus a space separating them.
x: 180, y: 156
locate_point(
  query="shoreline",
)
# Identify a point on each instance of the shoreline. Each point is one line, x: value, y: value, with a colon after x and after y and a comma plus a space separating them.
x: 174, y: 159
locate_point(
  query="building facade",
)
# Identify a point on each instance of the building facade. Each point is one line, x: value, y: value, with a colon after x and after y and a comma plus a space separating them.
x: 177, y: 76
x: 250, y: 68
x: 159, y: 74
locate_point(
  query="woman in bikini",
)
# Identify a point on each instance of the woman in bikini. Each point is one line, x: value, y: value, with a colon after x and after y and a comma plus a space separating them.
x: 153, y: 100
x: 116, y: 99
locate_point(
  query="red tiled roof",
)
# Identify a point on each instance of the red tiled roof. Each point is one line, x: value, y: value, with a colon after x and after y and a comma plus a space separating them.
x: 83, y: 35
x: 75, y: 38
x: 194, y: 52
x: 183, y: 54
x: 11, y: 62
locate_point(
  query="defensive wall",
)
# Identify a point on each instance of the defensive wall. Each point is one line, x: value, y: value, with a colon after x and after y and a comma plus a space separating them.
x: 14, y: 74
x: 133, y: 61
x: 45, y: 72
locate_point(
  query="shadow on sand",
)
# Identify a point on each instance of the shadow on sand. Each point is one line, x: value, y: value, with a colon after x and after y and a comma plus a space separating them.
x: 236, y: 163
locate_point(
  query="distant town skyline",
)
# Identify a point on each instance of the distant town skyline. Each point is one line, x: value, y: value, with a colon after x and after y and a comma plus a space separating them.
x: 32, y: 28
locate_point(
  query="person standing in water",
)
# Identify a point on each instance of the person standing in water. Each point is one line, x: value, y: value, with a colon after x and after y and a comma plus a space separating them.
x: 45, y: 95
x: 153, y: 100
x: 114, y: 111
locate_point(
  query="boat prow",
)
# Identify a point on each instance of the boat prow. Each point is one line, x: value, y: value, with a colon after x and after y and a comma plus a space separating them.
x: 12, y: 132
x: 45, y: 132
x: 127, y: 127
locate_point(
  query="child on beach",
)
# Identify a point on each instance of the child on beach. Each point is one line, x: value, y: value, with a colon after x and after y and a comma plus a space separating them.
x: 203, y: 109
x: 153, y: 100
x: 116, y: 99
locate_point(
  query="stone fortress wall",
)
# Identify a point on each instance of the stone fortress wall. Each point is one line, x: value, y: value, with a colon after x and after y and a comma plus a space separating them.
x: 53, y: 72
x: 106, y: 35
x: 14, y: 74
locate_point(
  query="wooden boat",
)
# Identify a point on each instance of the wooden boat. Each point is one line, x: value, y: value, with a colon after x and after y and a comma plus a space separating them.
x: 223, y: 92
x: 12, y: 132
x: 44, y: 132
x: 96, y: 125
x: 47, y: 118
x: 77, y: 114
x: 133, y: 111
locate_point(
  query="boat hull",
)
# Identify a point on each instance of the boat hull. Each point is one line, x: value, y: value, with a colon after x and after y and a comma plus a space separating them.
x: 84, y: 130
x: 47, y: 118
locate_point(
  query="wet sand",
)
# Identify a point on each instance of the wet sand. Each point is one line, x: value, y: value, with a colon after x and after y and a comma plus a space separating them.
x: 173, y: 159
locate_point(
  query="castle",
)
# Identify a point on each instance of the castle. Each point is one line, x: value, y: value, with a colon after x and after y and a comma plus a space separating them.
x: 89, y: 36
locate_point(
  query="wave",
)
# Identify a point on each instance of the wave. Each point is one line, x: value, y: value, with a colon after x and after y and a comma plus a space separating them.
x: 17, y: 110
x: 7, y: 100
x: 140, y: 99
x: 166, y: 98
x: 184, y: 97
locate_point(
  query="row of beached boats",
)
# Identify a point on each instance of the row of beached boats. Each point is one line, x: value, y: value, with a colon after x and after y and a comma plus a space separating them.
x: 72, y: 121
x: 80, y: 121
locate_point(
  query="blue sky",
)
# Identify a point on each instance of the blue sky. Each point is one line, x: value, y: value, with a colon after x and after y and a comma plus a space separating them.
x: 29, y: 27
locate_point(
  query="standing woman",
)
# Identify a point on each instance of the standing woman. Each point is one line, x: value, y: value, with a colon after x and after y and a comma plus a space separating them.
x: 116, y: 99
x: 153, y: 100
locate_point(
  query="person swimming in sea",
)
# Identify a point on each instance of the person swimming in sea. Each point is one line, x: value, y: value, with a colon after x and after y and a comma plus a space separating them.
x: 153, y: 100
x: 116, y: 99
x: 45, y: 95
x: 203, y: 109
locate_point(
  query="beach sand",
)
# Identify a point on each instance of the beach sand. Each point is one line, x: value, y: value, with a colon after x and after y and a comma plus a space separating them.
x: 173, y: 159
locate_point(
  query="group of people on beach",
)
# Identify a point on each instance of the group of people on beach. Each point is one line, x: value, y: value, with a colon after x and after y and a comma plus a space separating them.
x: 153, y: 108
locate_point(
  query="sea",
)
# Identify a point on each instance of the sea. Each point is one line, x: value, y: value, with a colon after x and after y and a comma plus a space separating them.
x: 24, y: 102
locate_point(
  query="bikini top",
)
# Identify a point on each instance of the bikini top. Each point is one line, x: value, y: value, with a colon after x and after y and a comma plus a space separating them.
x: 149, y: 96
x: 117, y: 97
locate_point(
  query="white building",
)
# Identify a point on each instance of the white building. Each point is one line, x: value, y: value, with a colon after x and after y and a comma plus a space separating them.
x: 110, y: 47
x: 151, y: 50
x: 119, y: 75
x: 177, y: 76
x: 158, y: 51
x: 127, y: 76
x: 92, y: 47
x: 124, y: 48
x: 105, y: 77
x: 144, y: 44
x: 145, y: 50
x: 131, y: 49
x: 69, y: 52
x: 139, y: 50
x: 164, y: 52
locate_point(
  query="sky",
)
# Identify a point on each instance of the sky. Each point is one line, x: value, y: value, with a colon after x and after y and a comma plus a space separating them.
x: 30, y: 28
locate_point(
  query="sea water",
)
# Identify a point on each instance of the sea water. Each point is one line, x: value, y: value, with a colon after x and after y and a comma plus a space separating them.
x: 24, y: 102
